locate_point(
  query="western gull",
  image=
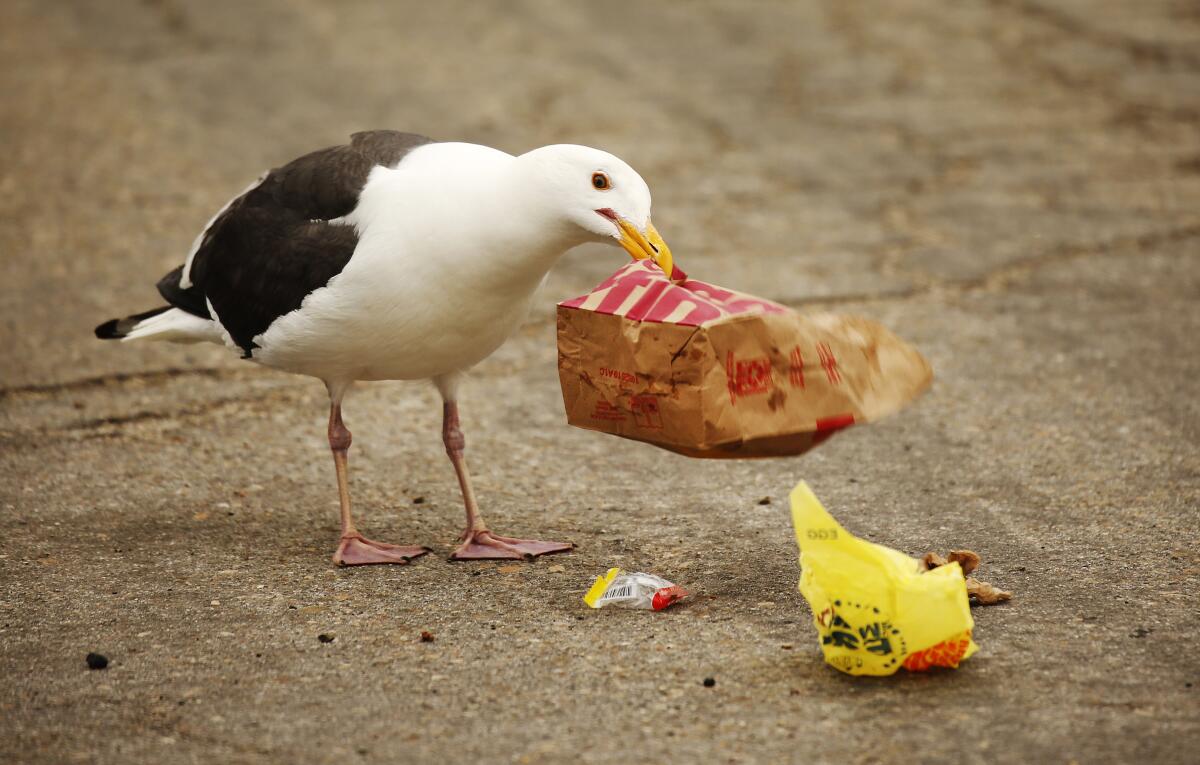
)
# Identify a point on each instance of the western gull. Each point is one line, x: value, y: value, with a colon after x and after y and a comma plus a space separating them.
x: 395, y: 257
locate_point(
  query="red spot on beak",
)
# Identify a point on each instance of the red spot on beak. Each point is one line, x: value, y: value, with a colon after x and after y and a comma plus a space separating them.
x: 608, y: 212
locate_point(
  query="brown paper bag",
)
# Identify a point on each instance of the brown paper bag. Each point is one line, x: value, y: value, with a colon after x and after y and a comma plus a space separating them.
x: 707, y: 372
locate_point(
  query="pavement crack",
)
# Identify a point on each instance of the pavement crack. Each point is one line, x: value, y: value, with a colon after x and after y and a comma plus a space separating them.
x: 116, y: 378
x: 149, y: 415
x: 858, y: 297
x: 112, y: 425
x: 1140, y: 51
x: 1000, y: 277
x: 1137, y: 110
x: 997, y: 278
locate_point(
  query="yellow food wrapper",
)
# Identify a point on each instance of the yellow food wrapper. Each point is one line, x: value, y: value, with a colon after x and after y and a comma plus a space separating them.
x: 874, y: 610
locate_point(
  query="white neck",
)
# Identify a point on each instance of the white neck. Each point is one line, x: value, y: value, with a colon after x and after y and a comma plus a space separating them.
x: 506, y: 233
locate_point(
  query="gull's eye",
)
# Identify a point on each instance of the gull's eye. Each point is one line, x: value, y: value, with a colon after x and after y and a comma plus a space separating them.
x: 601, y: 182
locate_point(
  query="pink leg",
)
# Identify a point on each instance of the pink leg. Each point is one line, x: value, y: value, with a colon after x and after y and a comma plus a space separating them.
x: 355, y: 549
x: 477, y: 542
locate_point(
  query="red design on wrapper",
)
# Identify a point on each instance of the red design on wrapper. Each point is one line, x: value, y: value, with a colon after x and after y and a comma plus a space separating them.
x: 945, y: 654
x: 666, y: 596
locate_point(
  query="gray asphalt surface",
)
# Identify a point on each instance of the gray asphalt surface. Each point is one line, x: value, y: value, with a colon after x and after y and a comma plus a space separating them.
x: 1011, y: 185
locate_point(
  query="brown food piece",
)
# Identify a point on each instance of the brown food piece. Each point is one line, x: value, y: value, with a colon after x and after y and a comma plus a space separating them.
x: 932, y: 560
x: 984, y: 593
x: 968, y: 560
x: 978, y: 591
x: 427, y: 636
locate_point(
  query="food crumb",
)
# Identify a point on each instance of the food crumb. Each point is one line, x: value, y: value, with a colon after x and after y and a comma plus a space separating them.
x: 979, y: 592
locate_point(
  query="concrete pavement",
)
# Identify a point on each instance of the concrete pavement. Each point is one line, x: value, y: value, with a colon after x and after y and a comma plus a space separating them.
x: 1013, y: 186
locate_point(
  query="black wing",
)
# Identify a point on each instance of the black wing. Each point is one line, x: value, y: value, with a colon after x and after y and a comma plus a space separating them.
x: 274, y: 245
x: 190, y: 300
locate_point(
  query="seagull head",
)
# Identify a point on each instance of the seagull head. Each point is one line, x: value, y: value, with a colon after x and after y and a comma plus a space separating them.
x: 603, y: 196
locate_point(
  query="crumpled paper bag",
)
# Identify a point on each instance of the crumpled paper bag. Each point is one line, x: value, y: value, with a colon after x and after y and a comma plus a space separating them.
x: 709, y: 372
x: 874, y: 609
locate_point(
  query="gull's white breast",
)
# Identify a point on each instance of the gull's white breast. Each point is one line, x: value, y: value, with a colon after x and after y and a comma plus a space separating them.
x: 429, y: 289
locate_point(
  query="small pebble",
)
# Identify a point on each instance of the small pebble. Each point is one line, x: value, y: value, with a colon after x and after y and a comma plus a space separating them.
x: 418, y: 500
x: 326, y: 638
x: 765, y: 501
x: 427, y: 636
x: 709, y: 682
x: 97, y: 661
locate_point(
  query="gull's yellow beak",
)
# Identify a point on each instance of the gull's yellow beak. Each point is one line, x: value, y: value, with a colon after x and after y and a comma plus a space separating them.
x: 650, y: 245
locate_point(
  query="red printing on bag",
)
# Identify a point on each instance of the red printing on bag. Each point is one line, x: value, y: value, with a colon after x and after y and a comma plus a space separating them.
x: 746, y: 378
x: 827, y: 426
x: 796, y: 368
x: 606, y: 411
x: 641, y: 292
x: 829, y: 362
x: 619, y: 375
x: 646, y: 412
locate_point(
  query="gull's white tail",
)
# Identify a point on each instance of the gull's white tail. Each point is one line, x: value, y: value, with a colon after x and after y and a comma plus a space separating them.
x: 169, y: 324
